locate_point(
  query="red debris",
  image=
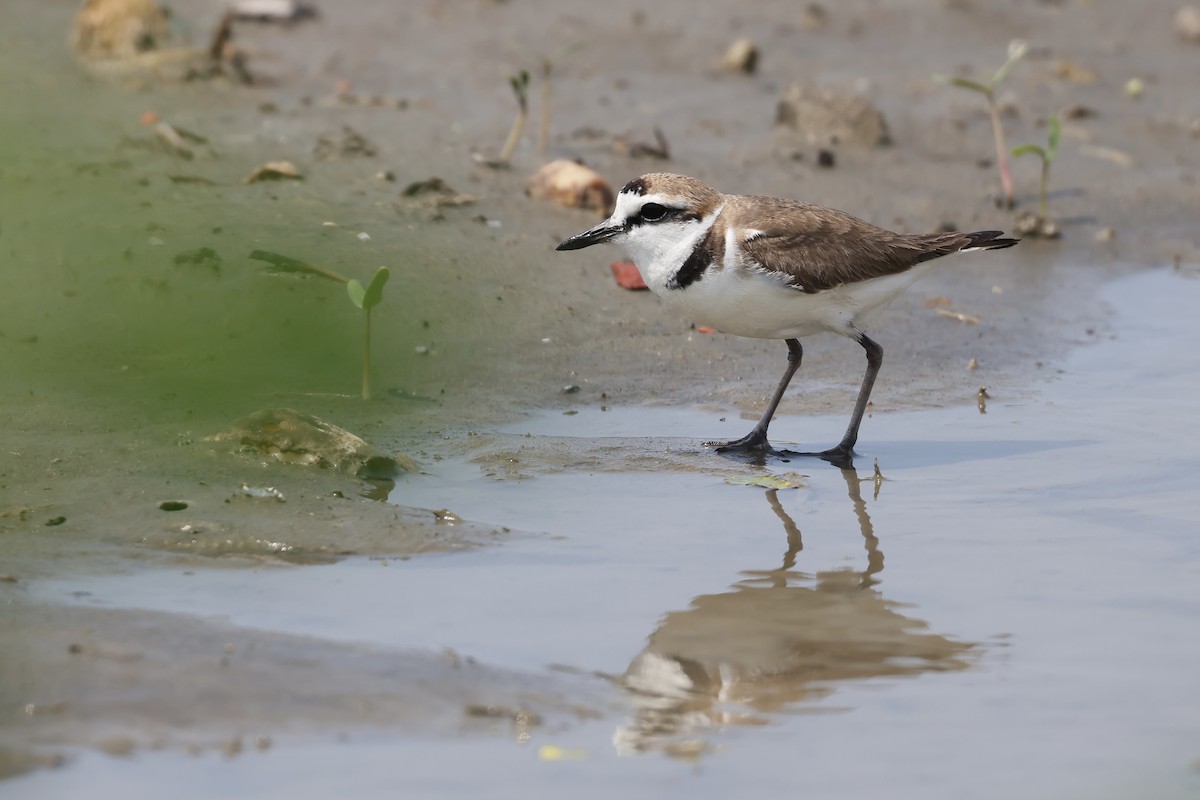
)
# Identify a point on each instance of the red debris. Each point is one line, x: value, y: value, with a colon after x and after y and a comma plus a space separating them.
x: 627, y: 275
x: 705, y: 329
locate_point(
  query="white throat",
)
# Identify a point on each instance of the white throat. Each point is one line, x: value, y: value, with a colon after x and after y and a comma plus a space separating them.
x: 660, y: 250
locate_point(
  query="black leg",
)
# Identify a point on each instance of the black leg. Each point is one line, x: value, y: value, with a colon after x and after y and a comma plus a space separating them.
x: 845, y: 448
x: 756, y: 440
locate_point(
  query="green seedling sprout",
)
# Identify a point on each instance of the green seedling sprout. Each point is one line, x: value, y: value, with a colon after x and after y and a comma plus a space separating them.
x: 1016, y: 49
x: 367, y: 298
x: 1046, y: 154
x: 520, y: 87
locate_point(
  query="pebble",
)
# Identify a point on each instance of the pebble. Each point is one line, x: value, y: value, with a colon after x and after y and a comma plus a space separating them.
x: 742, y: 56
x: 1187, y: 24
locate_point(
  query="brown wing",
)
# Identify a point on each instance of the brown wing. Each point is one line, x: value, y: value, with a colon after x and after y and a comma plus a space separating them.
x: 820, y: 248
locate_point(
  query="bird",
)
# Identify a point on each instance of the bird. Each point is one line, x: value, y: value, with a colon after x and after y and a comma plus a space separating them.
x: 771, y: 268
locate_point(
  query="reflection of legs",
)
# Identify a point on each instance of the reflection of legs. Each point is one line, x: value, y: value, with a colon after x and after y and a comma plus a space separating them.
x: 757, y: 438
x: 795, y: 542
x: 865, y: 527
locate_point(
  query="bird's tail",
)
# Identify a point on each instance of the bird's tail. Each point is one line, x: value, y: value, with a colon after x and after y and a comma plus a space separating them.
x: 987, y: 240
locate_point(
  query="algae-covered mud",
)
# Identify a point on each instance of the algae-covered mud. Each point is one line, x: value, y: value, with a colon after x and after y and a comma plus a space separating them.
x: 555, y: 588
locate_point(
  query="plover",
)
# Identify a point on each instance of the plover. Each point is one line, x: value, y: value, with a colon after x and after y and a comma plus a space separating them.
x: 770, y: 268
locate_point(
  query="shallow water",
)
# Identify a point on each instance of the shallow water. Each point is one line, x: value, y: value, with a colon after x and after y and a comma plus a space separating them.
x: 1010, y: 612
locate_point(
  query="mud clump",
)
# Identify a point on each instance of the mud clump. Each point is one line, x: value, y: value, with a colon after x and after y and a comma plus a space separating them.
x: 828, y: 118
x: 119, y: 29
x: 298, y: 438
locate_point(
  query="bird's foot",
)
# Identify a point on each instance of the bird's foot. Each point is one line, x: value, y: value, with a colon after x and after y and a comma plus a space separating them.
x: 753, y: 444
x: 841, y: 456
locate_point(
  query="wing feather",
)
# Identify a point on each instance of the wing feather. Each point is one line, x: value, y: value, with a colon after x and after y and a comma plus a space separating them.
x: 818, y: 248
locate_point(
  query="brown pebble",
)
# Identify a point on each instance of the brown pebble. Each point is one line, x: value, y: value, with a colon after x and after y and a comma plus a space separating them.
x: 814, y: 17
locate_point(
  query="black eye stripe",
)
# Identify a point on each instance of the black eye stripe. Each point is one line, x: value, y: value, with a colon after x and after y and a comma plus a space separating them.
x: 654, y: 217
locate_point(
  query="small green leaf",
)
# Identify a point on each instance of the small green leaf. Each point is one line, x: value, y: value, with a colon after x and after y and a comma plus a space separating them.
x: 962, y: 83
x: 1030, y: 148
x: 374, y: 292
x: 1052, y: 145
x: 520, y: 84
x: 356, y: 291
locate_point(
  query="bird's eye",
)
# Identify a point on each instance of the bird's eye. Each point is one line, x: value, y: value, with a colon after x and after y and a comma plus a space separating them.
x: 653, y: 212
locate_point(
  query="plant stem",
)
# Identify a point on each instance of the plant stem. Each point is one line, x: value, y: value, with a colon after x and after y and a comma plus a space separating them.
x: 366, y: 386
x: 1006, y: 184
x: 1042, y: 204
x: 514, y: 136
x: 544, y: 127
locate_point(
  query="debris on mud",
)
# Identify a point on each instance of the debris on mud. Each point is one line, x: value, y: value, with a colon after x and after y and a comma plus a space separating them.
x: 178, y: 141
x: 635, y: 148
x: 1035, y: 226
x: 274, y: 171
x: 200, y: 257
x: 133, y: 38
x: 119, y: 29
x: 432, y: 194
x: 282, y: 263
x: 571, y: 184
x: 298, y: 438
x: 348, y: 143
x: 286, y: 12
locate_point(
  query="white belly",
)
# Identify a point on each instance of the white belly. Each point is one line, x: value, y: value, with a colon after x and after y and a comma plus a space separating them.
x: 758, y: 307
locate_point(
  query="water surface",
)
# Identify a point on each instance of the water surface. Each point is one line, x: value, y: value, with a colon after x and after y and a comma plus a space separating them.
x: 1011, y: 611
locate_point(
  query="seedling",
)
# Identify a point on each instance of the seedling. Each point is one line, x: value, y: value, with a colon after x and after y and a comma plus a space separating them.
x: 367, y: 298
x: 1016, y: 49
x: 520, y: 87
x: 1046, y: 154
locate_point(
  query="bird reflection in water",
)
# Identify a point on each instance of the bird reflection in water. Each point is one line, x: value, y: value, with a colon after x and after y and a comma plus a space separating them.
x: 779, y: 637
